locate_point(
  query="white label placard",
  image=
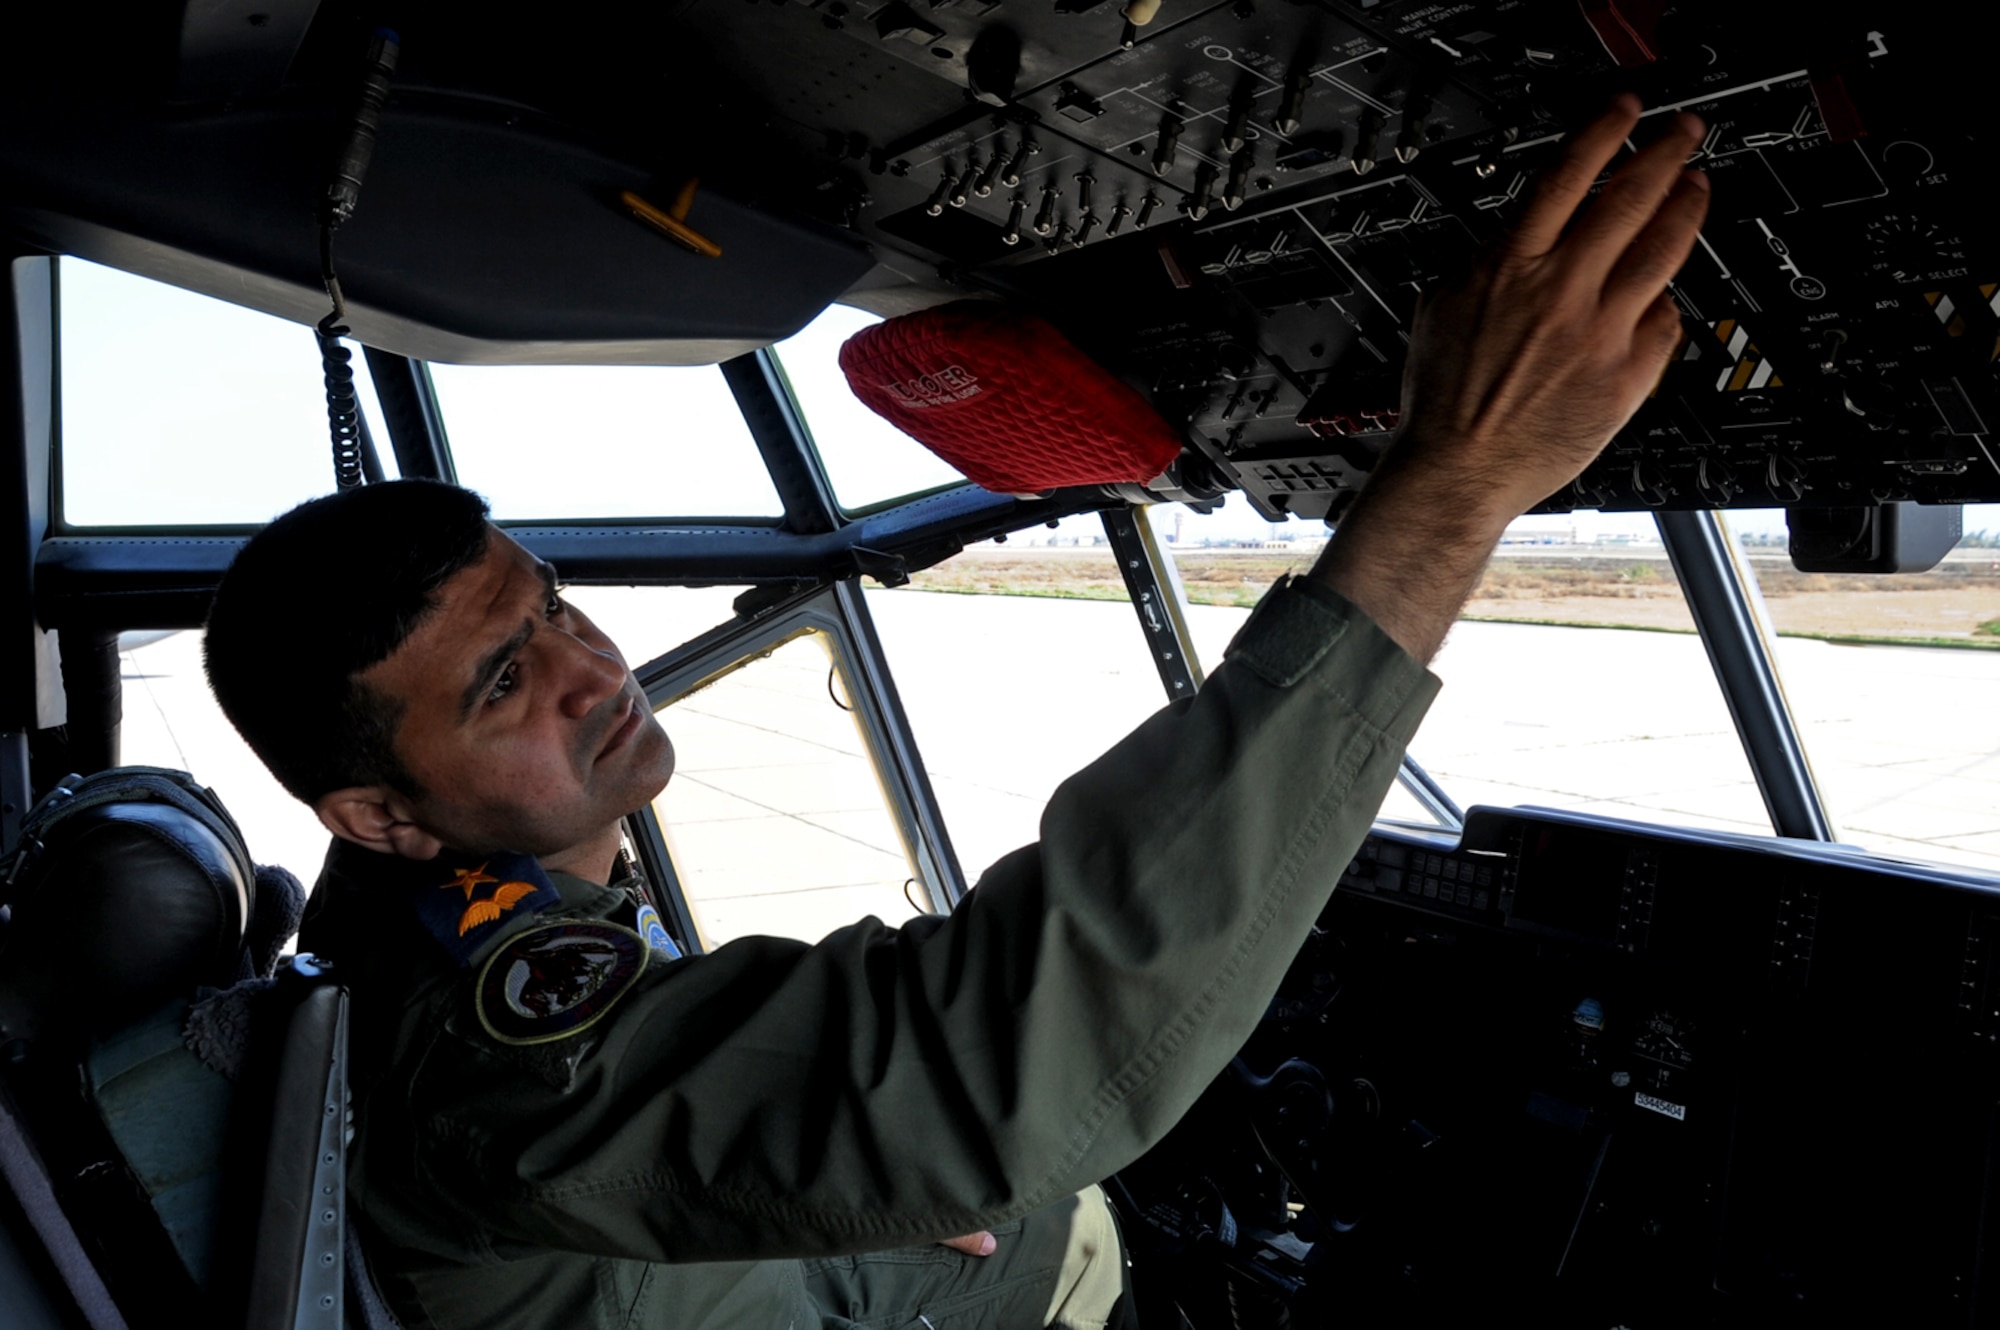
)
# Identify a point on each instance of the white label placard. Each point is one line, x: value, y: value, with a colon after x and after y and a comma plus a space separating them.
x: 1678, y: 1112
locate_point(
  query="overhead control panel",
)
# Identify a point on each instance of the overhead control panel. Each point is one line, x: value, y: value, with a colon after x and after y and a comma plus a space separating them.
x: 1236, y: 205
x: 1233, y: 203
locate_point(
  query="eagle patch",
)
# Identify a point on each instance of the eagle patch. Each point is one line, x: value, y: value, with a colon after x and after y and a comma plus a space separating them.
x: 551, y: 982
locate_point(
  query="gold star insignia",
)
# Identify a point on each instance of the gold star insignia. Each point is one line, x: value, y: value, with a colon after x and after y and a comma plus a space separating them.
x: 468, y: 878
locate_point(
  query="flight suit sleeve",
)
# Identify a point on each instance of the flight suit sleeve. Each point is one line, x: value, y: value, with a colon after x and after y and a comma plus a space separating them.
x: 888, y: 1086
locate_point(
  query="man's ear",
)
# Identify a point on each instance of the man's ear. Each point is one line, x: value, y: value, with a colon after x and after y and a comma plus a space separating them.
x: 378, y: 819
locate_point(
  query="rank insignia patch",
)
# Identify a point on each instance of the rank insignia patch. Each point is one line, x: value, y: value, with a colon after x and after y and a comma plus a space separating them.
x: 462, y: 896
x: 554, y: 981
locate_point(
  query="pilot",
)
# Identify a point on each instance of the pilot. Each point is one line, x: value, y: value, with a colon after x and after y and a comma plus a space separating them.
x: 561, y: 1123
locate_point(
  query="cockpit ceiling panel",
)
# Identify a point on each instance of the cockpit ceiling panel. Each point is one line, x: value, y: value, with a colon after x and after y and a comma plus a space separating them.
x: 1232, y: 204
x: 477, y: 240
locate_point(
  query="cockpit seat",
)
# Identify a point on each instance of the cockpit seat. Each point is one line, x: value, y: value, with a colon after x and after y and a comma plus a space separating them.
x: 172, y: 1099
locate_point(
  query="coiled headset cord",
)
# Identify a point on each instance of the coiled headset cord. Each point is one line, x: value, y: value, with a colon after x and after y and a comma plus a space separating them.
x: 343, y: 193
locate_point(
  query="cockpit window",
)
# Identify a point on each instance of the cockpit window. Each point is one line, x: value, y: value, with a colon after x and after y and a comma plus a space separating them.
x: 178, y: 409
x: 868, y: 460
x: 1009, y: 689
x: 1891, y: 680
x: 1575, y: 680
x: 563, y: 442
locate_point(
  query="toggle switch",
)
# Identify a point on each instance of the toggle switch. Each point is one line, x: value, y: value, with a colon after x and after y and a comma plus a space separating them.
x: 983, y: 186
x: 1197, y: 204
x: 1234, y: 189
x: 1011, y: 177
x: 1012, y: 235
x: 1234, y: 133
x: 935, y: 204
x: 962, y: 191
x: 1045, y: 216
x: 1169, y: 145
x: 1292, y: 107
x: 1367, y: 135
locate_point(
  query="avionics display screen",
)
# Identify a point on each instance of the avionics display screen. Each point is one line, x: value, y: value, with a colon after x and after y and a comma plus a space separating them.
x: 1569, y: 882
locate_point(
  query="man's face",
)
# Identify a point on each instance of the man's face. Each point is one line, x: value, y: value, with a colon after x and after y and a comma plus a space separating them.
x: 521, y: 723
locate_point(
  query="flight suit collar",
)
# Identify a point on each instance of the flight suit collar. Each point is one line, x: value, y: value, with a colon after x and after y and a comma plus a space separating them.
x: 466, y: 905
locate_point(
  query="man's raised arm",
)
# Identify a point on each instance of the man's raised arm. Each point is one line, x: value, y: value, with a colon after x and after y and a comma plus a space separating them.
x: 1521, y: 373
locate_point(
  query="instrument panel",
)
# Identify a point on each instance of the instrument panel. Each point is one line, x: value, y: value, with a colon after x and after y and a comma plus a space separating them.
x: 1236, y: 205
x: 1605, y: 1075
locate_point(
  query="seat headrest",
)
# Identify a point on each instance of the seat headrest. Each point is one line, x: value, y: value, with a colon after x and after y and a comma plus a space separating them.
x: 117, y: 905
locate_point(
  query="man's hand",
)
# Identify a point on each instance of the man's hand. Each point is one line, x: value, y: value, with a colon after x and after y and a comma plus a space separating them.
x: 972, y: 1244
x: 1521, y: 373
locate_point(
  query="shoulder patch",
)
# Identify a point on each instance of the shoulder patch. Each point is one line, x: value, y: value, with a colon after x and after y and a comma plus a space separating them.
x: 460, y: 899
x: 655, y: 932
x: 551, y: 982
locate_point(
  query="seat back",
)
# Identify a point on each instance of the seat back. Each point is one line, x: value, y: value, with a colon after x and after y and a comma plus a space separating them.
x: 127, y: 889
x: 186, y: 1108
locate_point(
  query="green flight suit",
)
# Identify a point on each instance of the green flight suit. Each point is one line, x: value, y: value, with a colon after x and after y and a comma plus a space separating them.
x: 774, y: 1102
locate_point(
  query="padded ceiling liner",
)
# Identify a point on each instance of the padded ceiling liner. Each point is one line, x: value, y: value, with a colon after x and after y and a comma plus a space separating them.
x: 476, y: 241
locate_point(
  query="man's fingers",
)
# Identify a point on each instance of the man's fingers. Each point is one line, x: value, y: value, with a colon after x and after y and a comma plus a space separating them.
x: 1631, y: 199
x: 1658, y: 252
x: 1565, y: 184
x: 972, y: 1244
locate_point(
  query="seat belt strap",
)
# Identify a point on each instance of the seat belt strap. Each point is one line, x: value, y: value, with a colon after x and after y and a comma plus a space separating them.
x: 23, y: 1172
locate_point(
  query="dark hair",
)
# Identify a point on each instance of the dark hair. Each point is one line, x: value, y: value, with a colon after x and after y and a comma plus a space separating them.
x: 315, y: 598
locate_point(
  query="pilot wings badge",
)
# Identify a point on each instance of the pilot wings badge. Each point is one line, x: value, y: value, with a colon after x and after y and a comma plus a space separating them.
x: 557, y: 980
x: 504, y: 898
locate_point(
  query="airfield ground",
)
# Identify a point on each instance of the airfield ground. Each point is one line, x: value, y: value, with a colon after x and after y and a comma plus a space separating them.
x: 779, y: 826
x: 1630, y: 586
